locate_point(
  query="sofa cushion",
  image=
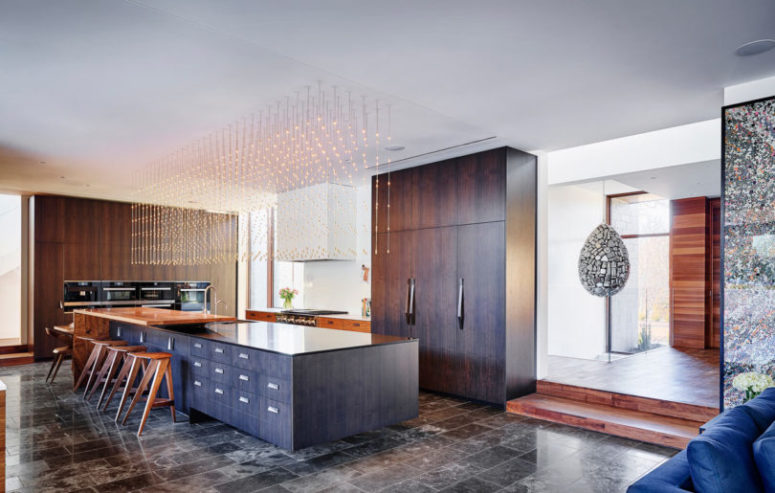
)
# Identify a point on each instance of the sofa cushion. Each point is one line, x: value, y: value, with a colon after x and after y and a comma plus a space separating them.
x: 762, y: 409
x: 764, y: 454
x: 671, y: 477
x: 721, y: 459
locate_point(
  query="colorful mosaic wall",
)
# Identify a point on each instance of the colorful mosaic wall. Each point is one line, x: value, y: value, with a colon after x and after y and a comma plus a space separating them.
x: 749, y: 236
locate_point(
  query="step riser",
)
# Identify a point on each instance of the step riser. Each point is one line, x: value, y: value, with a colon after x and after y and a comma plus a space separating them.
x: 593, y: 424
x: 622, y: 401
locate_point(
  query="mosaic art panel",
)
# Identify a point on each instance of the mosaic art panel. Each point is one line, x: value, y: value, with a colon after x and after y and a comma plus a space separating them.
x: 749, y: 242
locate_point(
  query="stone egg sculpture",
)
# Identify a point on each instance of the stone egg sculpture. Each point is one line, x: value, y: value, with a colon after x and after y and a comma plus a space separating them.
x: 604, y: 264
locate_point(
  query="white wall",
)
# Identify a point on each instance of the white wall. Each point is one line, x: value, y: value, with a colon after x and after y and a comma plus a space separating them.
x: 748, y: 91
x: 693, y: 143
x: 576, y: 319
x: 338, y: 284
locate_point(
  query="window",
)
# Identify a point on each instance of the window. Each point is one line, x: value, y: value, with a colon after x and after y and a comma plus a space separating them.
x: 266, y: 275
x: 640, y: 313
x: 10, y: 269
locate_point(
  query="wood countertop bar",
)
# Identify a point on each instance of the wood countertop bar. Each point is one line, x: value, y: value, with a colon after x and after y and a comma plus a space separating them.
x: 154, y: 316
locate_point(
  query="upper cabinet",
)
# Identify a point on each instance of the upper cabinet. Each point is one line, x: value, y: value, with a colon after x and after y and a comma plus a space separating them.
x: 466, y: 190
x: 316, y: 223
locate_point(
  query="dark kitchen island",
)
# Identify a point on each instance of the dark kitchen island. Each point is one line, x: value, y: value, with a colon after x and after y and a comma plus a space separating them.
x: 290, y: 385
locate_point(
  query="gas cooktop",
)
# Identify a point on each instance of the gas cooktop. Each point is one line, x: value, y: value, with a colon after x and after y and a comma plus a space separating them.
x: 312, y: 312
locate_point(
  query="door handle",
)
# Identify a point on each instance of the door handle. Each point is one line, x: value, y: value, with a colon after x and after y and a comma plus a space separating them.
x: 460, y: 307
x: 410, y: 302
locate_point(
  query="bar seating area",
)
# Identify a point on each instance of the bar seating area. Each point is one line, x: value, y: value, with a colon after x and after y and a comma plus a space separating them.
x: 109, y: 356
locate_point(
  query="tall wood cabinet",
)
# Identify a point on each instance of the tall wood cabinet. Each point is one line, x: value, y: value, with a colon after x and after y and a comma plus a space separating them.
x: 457, y: 271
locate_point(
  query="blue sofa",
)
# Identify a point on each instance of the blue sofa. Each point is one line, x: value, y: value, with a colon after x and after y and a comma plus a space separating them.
x: 735, y: 453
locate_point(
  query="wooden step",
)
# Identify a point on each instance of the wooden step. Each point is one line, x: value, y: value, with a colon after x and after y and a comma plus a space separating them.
x: 691, y: 412
x: 637, y: 425
x: 17, y: 359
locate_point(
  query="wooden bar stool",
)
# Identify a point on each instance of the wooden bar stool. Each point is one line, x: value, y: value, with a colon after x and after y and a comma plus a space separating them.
x: 98, y: 353
x: 59, y: 352
x: 114, y: 357
x: 121, y: 381
x: 158, y: 368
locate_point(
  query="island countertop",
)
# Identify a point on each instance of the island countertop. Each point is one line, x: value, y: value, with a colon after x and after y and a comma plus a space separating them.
x: 153, y: 316
x: 286, y: 338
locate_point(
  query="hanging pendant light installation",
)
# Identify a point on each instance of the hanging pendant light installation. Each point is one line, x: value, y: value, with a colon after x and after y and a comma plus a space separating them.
x: 604, y: 264
x: 206, y: 190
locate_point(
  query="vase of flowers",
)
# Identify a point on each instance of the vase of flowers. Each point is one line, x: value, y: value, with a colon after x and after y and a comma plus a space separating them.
x: 287, y: 295
x: 752, y: 384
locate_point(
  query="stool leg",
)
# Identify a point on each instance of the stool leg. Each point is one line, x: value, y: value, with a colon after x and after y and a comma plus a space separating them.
x: 152, y: 367
x: 170, y: 392
x: 125, y: 367
x: 130, y: 382
x: 60, y: 358
x: 53, y: 364
x: 86, y: 368
x: 159, y: 373
x: 117, y: 359
x: 93, y: 373
x: 109, y: 360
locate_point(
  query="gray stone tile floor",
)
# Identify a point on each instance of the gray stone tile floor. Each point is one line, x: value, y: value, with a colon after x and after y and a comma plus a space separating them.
x: 58, y: 442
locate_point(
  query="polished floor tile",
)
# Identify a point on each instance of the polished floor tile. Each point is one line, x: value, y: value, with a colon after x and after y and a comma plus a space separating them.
x: 58, y: 442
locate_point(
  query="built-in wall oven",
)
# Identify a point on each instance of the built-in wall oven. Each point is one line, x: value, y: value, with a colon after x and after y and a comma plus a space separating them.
x: 157, y: 294
x: 190, y: 296
x: 118, y: 293
x: 80, y: 294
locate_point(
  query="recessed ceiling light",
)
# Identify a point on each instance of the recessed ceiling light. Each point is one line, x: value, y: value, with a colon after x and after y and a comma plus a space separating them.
x: 193, y: 202
x: 755, y: 47
x: 395, y: 148
x: 61, y: 177
x: 652, y: 177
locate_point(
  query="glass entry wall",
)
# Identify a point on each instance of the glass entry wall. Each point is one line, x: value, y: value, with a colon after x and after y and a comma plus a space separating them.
x: 10, y: 269
x: 640, y: 313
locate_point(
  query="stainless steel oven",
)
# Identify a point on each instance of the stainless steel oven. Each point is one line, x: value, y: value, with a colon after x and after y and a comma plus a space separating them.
x: 190, y: 296
x: 157, y: 294
x: 117, y: 293
x: 80, y: 294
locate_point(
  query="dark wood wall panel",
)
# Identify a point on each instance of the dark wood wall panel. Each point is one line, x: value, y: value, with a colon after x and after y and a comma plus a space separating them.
x: 688, y: 271
x: 713, y: 315
x: 84, y: 239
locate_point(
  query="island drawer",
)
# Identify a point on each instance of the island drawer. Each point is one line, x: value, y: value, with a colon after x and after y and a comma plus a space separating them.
x: 199, y: 348
x: 198, y: 366
x: 199, y: 391
x: 220, y: 373
x: 245, y: 402
x: 275, y: 422
x: 274, y: 388
x: 220, y: 352
x: 245, y: 379
x: 249, y: 359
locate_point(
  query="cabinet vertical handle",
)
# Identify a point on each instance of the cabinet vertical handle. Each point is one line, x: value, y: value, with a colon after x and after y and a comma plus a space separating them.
x: 460, y: 306
x: 410, y: 302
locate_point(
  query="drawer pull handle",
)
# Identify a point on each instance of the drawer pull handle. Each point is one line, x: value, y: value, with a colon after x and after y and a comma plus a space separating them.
x: 245, y: 400
x: 273, y: 410
x: 244, y: 378
x: 219, y: 370
x: 198, y: 345
x: 273, y: 386
x: 197, y: 364
x: 218, y: 391
x: 197, y: 383
x: 244, y: 355
x: 219, y: 350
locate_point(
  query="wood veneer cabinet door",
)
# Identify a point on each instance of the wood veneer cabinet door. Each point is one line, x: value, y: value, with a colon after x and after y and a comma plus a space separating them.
x: 392, y: 272
x: 404, y: 201
x: 441, y: 348
x: 481, y: 261
x: 49, y: 267
x: 436, y: 194
x: 481, y: 187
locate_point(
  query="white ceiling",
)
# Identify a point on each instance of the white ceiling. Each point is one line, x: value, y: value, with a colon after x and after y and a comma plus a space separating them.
x: 92, y: 91
x: 677, y: 182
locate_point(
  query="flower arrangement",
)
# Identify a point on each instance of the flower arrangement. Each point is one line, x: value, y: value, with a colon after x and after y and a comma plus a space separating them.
x: 752, y: 384
x: 287, y: 295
